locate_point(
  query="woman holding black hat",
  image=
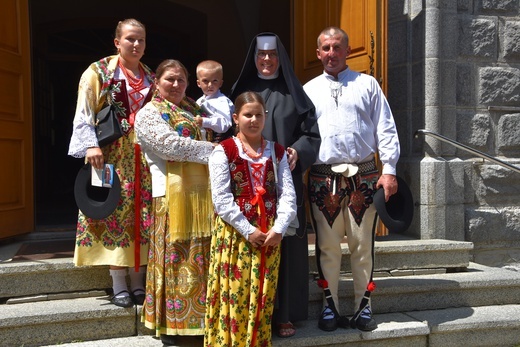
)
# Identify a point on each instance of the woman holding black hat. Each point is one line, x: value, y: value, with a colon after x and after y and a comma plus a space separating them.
x: 120, y: 239
x: 291, y: 122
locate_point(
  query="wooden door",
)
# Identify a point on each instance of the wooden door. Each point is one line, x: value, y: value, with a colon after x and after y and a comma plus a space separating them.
x: 363, y: 20
x: 16, y: 152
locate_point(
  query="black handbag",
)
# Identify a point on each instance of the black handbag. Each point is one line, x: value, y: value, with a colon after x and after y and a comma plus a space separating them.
x: 108, y: 128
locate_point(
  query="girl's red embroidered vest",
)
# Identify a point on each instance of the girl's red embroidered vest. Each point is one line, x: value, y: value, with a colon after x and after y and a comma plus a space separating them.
x: 242, y: 186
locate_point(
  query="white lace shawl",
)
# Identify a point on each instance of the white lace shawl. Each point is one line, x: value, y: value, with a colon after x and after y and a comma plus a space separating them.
x: 160, y: 143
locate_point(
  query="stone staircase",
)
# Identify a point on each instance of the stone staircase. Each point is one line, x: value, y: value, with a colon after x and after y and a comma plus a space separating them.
x: 428, y: 294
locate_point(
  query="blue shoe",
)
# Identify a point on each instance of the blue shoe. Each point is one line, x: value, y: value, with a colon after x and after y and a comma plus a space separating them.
x: 365, y: 322
x: 328, y: 320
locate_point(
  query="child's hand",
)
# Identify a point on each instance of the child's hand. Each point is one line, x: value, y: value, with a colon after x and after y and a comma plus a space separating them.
x: 257, y: 238
x: 273, y: 239
x: 198, y: 120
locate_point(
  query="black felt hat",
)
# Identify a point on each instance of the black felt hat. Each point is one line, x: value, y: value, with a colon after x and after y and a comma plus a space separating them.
x: 95, y: 202
x: 397, y: 212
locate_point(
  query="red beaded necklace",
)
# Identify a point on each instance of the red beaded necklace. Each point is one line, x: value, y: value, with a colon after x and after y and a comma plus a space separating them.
x: 137, y: 84
x: 253, y: 155
x: 134, y: 82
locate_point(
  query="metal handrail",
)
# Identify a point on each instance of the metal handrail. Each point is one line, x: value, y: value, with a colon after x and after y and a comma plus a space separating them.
x: 468, y: 149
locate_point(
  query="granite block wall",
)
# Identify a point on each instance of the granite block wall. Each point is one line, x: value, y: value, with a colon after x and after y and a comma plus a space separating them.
x: 457, y: 73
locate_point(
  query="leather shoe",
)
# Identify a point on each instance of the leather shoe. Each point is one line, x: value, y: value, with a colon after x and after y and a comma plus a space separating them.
x: 343, y: 322
x: 123, y: 301
x: 138, y: 298
x: 168, y: 340
x: 329, y: 323
x: 364, y: 322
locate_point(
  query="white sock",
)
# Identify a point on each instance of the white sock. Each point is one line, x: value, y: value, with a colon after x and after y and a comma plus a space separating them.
x: 119, y: 282
x: 137, y: 280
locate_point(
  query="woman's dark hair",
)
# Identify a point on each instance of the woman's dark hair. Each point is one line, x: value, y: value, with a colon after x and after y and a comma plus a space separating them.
x: 246, y: 98
x: 168, y: 64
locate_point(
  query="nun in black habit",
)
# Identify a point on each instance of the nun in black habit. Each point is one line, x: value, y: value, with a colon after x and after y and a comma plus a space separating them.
x: 291, y: 121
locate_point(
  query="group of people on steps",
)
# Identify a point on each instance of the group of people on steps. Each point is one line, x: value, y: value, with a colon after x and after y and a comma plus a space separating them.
x: 210, y: 187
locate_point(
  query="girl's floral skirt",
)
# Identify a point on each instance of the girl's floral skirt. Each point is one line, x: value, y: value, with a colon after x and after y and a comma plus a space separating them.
x: 241, y: 290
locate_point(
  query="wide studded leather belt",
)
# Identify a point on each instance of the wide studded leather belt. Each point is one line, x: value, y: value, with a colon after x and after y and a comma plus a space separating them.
x: 332, y: 170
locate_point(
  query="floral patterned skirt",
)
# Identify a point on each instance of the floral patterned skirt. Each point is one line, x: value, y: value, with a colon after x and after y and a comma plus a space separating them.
x: 241, y: 290
x: 175, y: 280
x: 110, y: 241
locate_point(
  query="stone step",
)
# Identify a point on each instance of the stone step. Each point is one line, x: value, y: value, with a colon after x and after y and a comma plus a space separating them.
x: 463, y: 326
x: 404, y: 307
x: 394, y: 257
x: 55, y: 321
x: 53, y: 302
x: 396, y: 252
x: 51, y: 276
x: 477, y: 286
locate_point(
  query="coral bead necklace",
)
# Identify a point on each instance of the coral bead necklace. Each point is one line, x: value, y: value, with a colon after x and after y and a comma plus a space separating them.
x: 135, y: 82
x: 135, y: 95
x: 250, y: 154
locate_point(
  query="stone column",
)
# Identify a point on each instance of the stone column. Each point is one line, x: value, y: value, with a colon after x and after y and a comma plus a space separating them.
x: 437, y: 183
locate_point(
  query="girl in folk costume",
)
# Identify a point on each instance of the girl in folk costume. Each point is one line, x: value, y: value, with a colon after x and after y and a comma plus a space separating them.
x: 121, y: 239
x: 292, y: 123
x: 183, y: 212
x: 255, y: 201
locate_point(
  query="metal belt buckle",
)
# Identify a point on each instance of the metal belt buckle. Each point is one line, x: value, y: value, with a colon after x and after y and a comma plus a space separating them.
x: 347, y: 170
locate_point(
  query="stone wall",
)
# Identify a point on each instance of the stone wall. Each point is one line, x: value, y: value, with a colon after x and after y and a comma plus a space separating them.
x: 454, y: 69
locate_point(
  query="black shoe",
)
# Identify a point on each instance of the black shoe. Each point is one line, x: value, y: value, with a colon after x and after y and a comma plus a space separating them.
x: 343, y: 322
x: 328, y: 324
x: 364, y: 322
x: 138, y: 298
x: 168, y: 340
x: 124, y: 301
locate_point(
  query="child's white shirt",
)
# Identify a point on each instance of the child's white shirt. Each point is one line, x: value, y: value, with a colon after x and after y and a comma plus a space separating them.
x: 219, y: 109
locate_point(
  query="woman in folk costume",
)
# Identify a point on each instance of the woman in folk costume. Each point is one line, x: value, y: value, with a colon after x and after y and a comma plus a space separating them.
x: 292, y: 123
x: 178, y: 260
x: 121, y: 239
x: 254, y: 197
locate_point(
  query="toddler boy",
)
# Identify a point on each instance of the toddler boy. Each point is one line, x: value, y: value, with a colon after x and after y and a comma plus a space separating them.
x: 214, y: 103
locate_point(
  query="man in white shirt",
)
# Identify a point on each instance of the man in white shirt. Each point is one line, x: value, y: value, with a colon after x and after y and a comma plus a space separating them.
x: 355, y: 123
